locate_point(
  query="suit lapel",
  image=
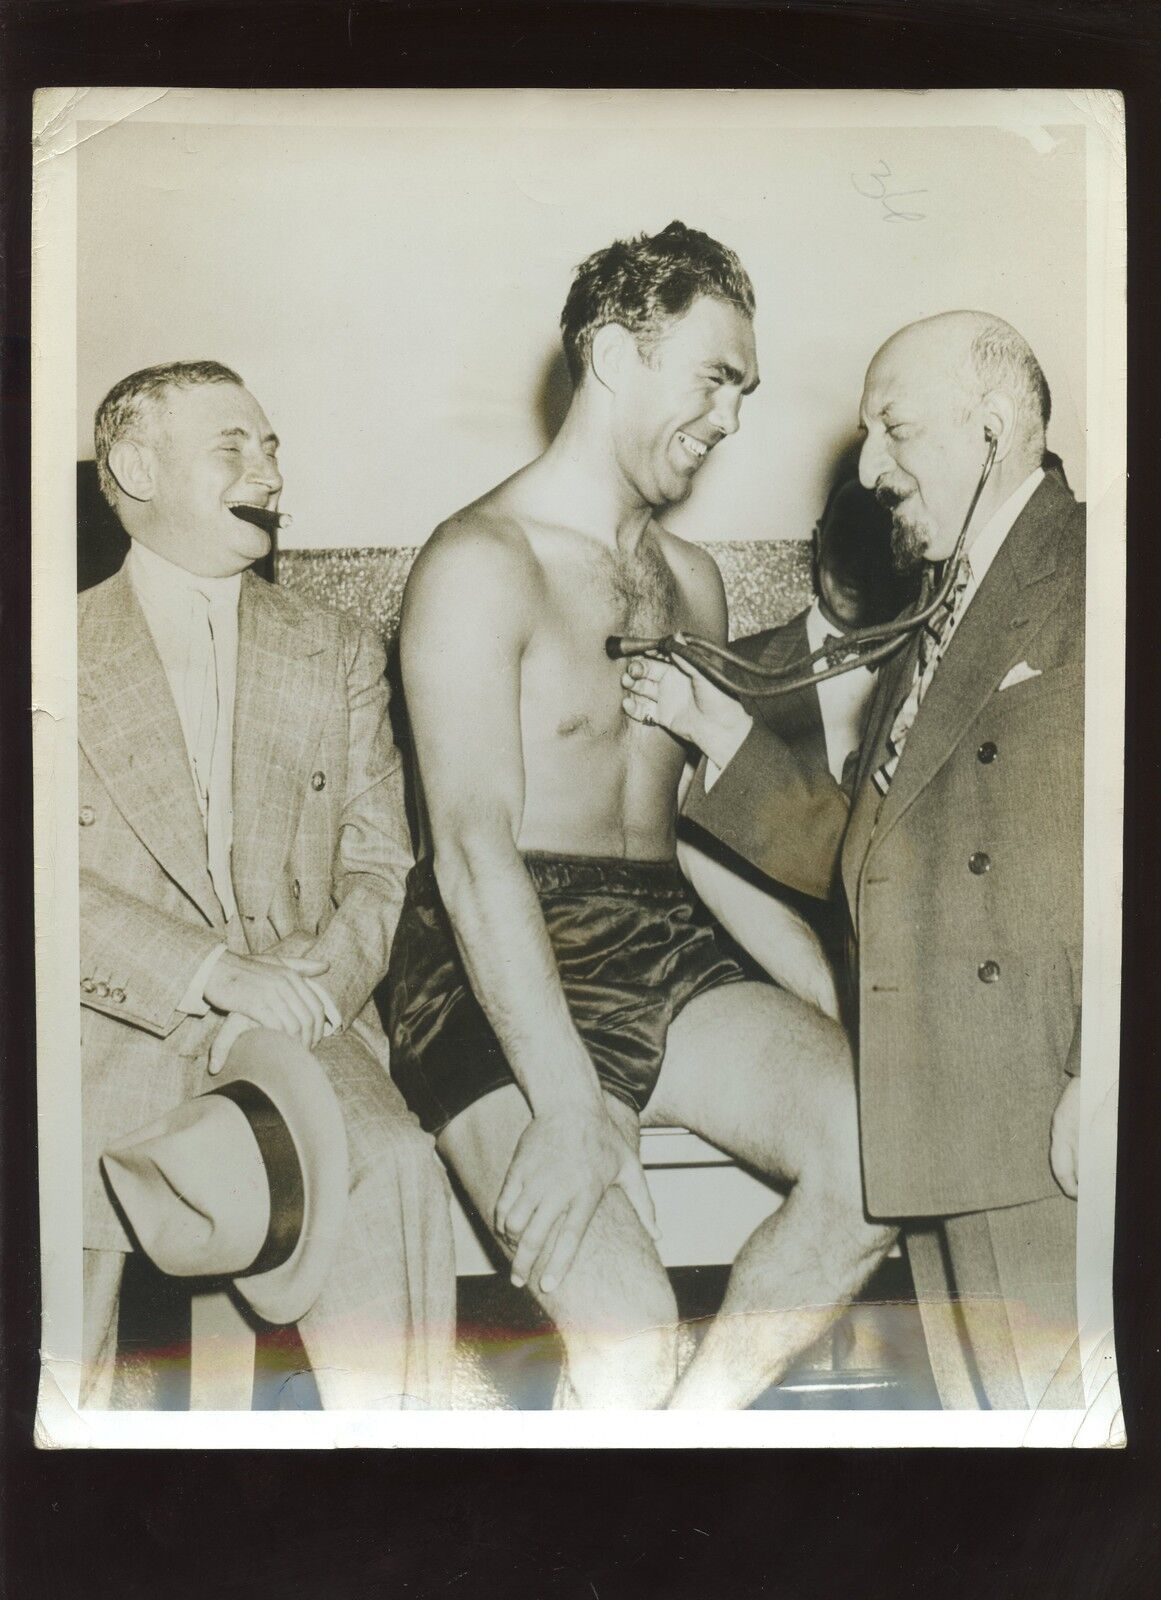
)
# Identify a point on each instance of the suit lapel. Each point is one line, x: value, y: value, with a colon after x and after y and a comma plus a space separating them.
x: 795, y: 717
x: 283, y: 670
x: 130, y: 732
x: 894, y: 677
x: 1016, y: 595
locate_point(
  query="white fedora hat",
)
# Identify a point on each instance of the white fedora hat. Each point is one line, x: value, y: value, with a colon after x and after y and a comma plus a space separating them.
x: 247, y: 1181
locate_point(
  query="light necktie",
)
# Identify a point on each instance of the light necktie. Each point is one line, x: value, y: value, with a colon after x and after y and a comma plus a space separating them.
x: 933, y: 641
x: 212, y: 759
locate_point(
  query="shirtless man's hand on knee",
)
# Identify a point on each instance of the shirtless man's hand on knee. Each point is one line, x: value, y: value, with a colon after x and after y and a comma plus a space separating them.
x: 565, y: 1162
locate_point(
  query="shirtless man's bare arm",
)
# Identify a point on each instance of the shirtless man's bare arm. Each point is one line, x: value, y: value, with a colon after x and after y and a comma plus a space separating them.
x: 467, y: 618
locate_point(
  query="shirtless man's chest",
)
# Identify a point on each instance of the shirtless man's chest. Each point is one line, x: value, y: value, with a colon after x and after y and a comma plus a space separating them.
x: 595, y: 782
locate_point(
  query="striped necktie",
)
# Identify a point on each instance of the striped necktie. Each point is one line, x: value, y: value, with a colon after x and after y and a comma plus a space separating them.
x: 934, y: 639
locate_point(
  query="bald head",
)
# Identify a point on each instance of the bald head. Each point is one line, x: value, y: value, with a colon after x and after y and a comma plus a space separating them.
x: 936, y: 394
x: 981, y: 354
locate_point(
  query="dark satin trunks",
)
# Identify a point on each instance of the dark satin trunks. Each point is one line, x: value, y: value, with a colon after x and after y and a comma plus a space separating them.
x: 632, y: 944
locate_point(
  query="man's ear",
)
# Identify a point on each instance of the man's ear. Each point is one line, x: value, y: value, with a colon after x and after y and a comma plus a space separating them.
x: 613, y: 346
x: 998, y: 415
x: 132, y: 465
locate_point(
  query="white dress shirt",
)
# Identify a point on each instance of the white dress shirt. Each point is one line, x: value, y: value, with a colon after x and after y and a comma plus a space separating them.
x: 984, y: 547
x: 842, y: 701
x: 194, y: 624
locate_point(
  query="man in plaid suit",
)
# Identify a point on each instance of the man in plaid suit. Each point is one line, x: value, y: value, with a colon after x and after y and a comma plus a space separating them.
x: 243, y: 847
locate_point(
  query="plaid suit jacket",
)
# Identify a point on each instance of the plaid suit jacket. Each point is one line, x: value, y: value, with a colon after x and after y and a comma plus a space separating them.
x: 321, y: 846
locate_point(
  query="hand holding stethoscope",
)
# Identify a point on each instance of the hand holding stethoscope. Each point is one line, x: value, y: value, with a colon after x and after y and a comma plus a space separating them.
x: 669, y: 692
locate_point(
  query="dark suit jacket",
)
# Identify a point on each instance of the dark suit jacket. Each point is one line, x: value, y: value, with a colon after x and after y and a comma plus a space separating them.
x: 794, y: 717
x: 964, y: 885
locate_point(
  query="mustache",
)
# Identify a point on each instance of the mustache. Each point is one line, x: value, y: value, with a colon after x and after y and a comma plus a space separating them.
x: 889, y: 498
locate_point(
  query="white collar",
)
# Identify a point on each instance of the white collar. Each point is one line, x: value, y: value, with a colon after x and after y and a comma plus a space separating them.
x: 819, y: 630
x: 983, y: 548
x: 161, y: 575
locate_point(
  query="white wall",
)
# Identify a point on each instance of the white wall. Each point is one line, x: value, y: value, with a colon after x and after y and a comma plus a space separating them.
x: 391, y: 294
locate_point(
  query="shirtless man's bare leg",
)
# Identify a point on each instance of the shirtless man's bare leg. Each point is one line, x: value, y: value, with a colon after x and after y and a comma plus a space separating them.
x: 786, y: 1107
x: 614, y: 1309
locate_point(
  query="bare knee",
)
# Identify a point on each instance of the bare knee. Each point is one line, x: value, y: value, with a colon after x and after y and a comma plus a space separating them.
x: 832, y: 1184
x: 636, y: 1374
x: 828, y: 1165
x: 625, y: 1359
x: 616, y: 1314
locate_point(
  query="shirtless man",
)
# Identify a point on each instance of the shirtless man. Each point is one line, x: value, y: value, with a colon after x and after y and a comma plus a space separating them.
x: 554, y: 983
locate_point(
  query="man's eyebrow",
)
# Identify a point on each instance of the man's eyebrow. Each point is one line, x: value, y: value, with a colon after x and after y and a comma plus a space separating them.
x: 735, y: 376
x: 242, y: 433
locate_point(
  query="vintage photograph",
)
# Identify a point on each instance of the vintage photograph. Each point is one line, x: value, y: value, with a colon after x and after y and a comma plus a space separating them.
x: 578, y: 835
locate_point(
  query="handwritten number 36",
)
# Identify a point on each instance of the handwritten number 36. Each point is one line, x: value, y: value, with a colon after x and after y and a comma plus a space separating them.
x: 874, y: 187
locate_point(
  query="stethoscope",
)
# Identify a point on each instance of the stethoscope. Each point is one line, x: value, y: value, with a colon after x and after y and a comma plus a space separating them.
x: 862, y: 647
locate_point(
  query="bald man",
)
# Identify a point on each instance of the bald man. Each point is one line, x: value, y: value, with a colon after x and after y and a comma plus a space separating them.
x: 960, y: 845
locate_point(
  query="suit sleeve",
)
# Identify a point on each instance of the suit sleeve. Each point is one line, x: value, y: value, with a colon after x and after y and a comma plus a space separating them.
x: 373, y: 850
x: 137, y: 952
x: 785, y: 819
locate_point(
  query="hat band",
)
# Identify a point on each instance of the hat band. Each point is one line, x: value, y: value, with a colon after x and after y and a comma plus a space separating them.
x: 283, y: 1173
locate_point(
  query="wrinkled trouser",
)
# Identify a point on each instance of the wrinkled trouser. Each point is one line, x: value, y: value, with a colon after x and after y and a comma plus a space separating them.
x: 997, y: 1293
x: 382, y: 1331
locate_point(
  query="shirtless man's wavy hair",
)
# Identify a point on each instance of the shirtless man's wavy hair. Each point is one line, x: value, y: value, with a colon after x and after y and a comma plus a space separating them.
x: 646, y: 283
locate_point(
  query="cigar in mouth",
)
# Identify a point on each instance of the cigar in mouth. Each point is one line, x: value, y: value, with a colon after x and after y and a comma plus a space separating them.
x: 268, y: 521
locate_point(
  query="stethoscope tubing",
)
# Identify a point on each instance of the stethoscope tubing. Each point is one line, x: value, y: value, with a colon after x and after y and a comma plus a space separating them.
x: 863, y: 647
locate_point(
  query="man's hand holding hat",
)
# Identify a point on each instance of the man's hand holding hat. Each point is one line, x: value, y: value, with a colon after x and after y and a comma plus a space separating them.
x: 272, y: 991
x: 248, y: 1181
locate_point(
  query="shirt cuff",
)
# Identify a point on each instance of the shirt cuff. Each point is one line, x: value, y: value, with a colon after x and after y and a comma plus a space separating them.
x: 333, y: 1014
x: 193, y: 1002
x: 711, y: 775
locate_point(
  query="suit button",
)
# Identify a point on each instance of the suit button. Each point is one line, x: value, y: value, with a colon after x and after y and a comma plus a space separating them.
x: 979, y: 863
x: 296, y: 889
x: 987, y: 753
x: 102, y: 991
x: 87, y: 817
x: 119, y: 996
x: 989, y: 972
x: 88, y: 985
x: 318, y: 780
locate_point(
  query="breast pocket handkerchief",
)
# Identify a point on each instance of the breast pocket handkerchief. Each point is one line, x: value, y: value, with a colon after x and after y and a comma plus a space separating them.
x: 1020, y: 673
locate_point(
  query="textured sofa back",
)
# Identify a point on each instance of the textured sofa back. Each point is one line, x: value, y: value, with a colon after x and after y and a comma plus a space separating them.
x: 767, y: 581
